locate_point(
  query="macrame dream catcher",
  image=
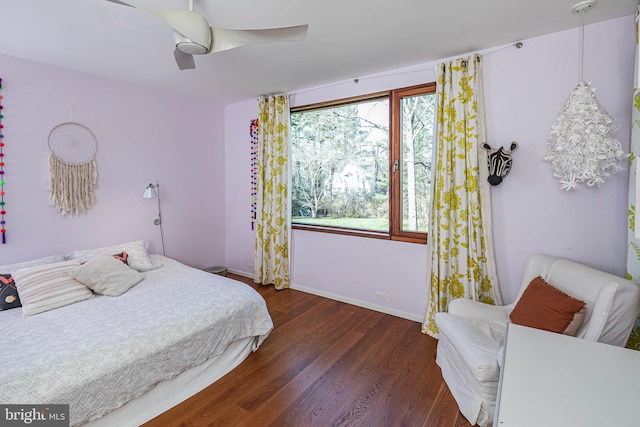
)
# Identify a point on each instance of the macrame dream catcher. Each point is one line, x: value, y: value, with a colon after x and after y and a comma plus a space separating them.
x: 73, y: 172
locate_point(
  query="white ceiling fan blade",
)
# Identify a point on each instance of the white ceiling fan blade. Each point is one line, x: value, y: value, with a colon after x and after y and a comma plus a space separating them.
x: 190, y: 24
x: 184, y: 60
x: 121, y: 2
x: 224, y: 39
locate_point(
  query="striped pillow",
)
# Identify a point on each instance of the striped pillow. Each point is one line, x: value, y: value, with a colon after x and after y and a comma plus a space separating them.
x: 48, y: 286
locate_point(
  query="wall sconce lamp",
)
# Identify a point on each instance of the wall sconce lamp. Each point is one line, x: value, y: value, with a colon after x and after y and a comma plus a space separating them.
x: 152, y: 192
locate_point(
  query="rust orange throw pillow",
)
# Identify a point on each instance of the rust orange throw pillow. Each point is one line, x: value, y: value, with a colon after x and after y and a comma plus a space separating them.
x: 542, y: 306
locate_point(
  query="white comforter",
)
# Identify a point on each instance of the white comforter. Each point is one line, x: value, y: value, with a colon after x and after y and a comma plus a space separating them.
x: 100, y: 353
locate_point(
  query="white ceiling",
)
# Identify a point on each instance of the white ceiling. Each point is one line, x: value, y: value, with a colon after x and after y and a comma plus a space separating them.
x: 346, y: 38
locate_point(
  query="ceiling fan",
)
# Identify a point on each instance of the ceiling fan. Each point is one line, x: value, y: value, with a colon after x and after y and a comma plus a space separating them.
x: 194, y: 36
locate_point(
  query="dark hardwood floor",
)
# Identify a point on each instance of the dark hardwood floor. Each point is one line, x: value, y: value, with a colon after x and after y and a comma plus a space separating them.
x: 327, y: 363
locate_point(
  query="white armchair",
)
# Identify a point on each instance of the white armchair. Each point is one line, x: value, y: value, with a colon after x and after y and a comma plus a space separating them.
x: 472, y: 333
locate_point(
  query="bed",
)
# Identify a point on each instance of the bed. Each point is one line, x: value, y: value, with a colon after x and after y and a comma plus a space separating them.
x: 122, y: 360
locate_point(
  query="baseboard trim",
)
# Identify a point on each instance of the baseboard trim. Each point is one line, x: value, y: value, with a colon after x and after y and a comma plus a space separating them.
x: 240, y: 273
x: 341, y: 298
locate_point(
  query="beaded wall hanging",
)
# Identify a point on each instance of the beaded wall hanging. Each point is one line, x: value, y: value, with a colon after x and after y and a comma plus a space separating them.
x: 3, y: 211
x: 253, y: 131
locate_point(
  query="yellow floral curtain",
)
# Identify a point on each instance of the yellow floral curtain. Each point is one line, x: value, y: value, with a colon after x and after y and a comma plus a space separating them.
x: 633, y: 231
x: 460, y: 249
x: 271, y: 264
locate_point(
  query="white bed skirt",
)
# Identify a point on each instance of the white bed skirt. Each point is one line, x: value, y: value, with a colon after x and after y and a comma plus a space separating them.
x: 167, y: 394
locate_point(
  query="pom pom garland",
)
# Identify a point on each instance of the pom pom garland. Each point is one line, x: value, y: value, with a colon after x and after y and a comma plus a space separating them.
x: 3, y: 231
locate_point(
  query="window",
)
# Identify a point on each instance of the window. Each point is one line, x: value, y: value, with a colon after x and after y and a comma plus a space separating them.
x: 363, y: 165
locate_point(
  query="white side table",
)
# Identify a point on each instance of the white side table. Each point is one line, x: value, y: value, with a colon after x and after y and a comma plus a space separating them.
x: 552, y: 380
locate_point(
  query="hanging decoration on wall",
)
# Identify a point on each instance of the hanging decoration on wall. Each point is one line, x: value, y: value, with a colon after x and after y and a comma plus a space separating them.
x: 499, y: 161
x: 581, y: 145
x: 253, y: 131
x: 3, y: 210
x: 73, y: 172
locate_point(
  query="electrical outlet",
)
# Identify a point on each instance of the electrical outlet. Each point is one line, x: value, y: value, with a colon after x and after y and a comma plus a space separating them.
x: 250, y: 266
x: 379, y: 295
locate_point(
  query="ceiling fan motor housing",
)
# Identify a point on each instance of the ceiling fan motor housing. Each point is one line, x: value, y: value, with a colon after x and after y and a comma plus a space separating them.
x: 189, y: 46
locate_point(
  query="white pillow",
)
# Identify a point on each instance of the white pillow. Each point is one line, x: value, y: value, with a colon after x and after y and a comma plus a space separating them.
x: 137, y: 251
x: 48, y: 286
x: 106, y: 275
x: 6, y: 269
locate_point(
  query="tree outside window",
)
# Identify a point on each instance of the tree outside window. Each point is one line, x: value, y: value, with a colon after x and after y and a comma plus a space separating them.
x: 363, y: 166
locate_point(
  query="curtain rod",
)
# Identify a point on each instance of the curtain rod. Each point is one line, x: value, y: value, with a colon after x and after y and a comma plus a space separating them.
x: 517, y: 45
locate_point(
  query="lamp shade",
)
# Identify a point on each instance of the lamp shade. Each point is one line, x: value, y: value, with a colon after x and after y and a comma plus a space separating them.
x: 150, y: 192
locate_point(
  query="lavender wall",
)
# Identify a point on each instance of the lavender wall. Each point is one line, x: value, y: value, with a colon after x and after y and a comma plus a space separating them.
x: 143, y: 136
x: 200, y: 153
x: 527, y: 89
x: 524, y: 91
